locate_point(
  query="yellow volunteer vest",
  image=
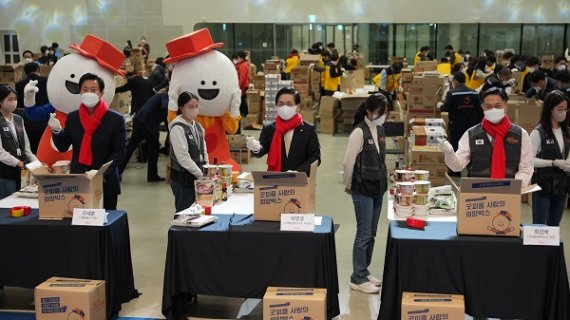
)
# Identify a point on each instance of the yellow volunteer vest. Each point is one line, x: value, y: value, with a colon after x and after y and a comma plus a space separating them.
x: 331, y: 84
x: 291, y: 63
x: 474, y: 83
x: 444, y: 68
x: 392, y: 81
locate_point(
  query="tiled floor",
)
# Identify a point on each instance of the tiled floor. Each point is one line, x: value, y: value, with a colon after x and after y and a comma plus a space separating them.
x: 150, y: 208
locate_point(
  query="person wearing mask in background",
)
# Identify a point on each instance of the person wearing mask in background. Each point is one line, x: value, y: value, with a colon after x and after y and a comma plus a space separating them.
x: 477, y: 74
x: 563, y: 78
x: 389, y: 81
x: 242, y: 67
x: 333, y: 72
x: 145, y: 49
x: 34, y: 128
x: 97, y: 135
x: 366, y: 181
x: 290, y: 143
x: 507, y: 58
x: 140, y: 88
x: 560, y: 63
x: 464, y: 108
x: 157, y: 76
x: 466, y: 58
x: 541, y: 85
x: 27, y: 57
x: 532, y: 66
x: 444, y: 67
x: 453, y: 56
x: 14, y: 145
x: 503, y: 79
x: 550, y: 146
x: 458, y: 67
x: 57, y: 51
x: 128, y: 49
x: 492, y: 66
x: 422, y: 55
x: 45, y: 57
x: 188, y: 151
x: 495, y: 148
x: 291, y: 62
x: 332, y: 49
x: 146, y: 126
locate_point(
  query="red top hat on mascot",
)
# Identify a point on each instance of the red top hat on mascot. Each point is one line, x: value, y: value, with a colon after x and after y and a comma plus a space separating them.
x: 106, y: 55
x: 191, y: 45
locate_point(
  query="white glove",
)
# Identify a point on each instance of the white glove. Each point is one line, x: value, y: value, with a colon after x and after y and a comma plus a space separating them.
x: 252, y: 144
x: 54, y: 124
x: 445, y: 146
x: 512, y: 82
x: 562, y: 164
x: 438, y: 105
x: 30, y: 93
x: 567, y: 166
x: 173, y: 93
x: 311, y: 66
x: 400, y: 89
x: 236, y: 102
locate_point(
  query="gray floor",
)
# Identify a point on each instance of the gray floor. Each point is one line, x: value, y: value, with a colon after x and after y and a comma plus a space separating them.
x: 150, y: 208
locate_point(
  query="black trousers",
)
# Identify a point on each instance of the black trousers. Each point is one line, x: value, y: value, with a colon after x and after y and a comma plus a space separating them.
x: 140, y: 133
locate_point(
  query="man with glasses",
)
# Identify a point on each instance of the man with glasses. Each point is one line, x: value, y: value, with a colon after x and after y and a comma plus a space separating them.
x: 495, y: 148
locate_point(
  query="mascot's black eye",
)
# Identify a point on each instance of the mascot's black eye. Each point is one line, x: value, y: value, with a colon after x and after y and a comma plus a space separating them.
x: 72, y: 76
x: 214, y: 83
x: 203, y: 82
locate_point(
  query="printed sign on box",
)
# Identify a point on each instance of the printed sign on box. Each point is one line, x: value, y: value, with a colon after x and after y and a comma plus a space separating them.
x: 432, y: 306
x: 295, y: 303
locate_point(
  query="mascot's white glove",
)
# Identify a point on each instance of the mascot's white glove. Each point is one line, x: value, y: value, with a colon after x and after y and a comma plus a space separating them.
x: 252, y: 144
x: 173, y: 93
x: 54, y: 124
x: 445, y: 146
x: 236, y: 102
x: 30, y: 91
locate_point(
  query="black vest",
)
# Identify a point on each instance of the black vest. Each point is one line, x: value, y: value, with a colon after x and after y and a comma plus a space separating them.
x: 369, y: 176
x: 196, y: 151
x: 482, y: 151
x: 552, y: 180
x: 11, y: 144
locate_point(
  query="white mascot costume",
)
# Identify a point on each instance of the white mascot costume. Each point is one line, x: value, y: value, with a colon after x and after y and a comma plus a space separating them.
x: 212, y: 77
x: 94, y: 55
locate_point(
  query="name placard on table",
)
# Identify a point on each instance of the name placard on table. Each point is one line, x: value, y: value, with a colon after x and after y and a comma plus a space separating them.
x: 89, y: 217
x: 298, y: 222
x: 539, y: 235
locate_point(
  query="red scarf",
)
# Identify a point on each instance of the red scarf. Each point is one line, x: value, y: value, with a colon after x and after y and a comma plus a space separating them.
x: 90, y: 123
x: 281, y: 127
x: 498, y: 132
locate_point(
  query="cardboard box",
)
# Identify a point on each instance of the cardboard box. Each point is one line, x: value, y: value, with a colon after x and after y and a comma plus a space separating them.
x: 7, y: 74
x: 423, y: 66
x: 429, y: 81
x: 422, y: 101
x: 302, y: 87
x: 547, y: 62
x: 426, y: 155
x: 328, y: 106
x: 352, y: 102
x: 66, y: 298
x: 424, y: 89
x: 122, y: 102
x: 259, y: 82
x: 295, y: 304
x: 283, y: 192
x: 436, y: 171
x: 427, y: 136
x: 407, y: 75
x: 236, y: 141
x: 300, y: 73
x: 241, y: 156
x: 59, y: 194
x: 253, y: 101
x: 308, y: 115
x: 528, y: 115
x: 427, y: 122
x: 308, y: 59
x: 518, y: 76
x: 432, y: 306
x: 490, y: 207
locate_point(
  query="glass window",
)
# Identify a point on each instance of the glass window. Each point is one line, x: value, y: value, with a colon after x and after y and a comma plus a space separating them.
x: 377, y: 48
x: 541, y: 40
x: 411, y: 37
x: 499, y: 36
x: 460, y: 36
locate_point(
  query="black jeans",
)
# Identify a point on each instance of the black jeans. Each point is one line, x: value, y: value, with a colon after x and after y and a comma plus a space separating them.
x: 140, y: 133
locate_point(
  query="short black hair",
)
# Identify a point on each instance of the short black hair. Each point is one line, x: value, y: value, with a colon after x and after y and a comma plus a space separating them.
x: 504, y: 71
x: 242, y: 54
x: 130, y: 74
x: 491, y: 59
x: 295, y: 51
x: 562, y: 76
x: 444, y: 60
x: 186, y: 96
x: 424, y: 48
x: 560, y: 58
x: 494, y: 91
x: 449, y: 47
x: 531, y: 61
x: 536, y: 76
x: 507, y: 55
x: 515, y: 58
x: 55, y: 45
x: 489, y: 53
x: 459, y: 77
x: 160, y: 61
x: 43, y: 49
x: 330, y: 45
x: 289, y: 90
x: 27, y: 51
x: 92, y: 76
x: 397, y: 67
x: 334, y: 56
x: 31, y: 67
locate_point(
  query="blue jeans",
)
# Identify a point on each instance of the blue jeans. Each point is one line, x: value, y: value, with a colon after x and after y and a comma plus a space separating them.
x: 7, y: 187
x: 367, y: 210
x: 547, y: 209
x: 184, y: 195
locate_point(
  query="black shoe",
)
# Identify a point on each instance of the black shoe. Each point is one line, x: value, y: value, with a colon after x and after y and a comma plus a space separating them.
x: 155, y: 179
x: 165, y: 151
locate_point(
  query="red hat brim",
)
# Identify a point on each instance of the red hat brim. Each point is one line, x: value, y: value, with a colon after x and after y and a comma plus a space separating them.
x: 104, y: 64
x: 193, y: 54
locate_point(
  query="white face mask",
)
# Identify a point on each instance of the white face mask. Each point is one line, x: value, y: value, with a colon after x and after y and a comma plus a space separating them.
x: 28, y: 60
x: 10, y: 106
x: 190, y: 113
x: 495, y: 115
x: 505, y: 82
x: 530, y: 70
x: 561, y: 67
x: 467, y: 56
x: 89, y: 99
x: 559, y: 116
x: 537, y: 89
x: 380, y: 120
x: 286, y: 112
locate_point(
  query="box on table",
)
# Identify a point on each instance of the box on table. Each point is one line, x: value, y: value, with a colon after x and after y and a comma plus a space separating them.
x: 436, y: 171
x: 423, y: 66
x: 7, y: 74
x: 426, y: 155
x: 528, y: 115
x: 429, y: 81
x: 283, y: 192
x: 351, y: 102
x: 121, y: 102
x: 308, y: 59
x: 427, y: 122
x: 427, y: 136
x: 59, y: 194
x: 432, y: 306
x: 547, y: 62
x: 490, y: 207
x: 518, y: 76
x: 295, y: 303
x: 236, y: 141
x: 66, y: 298
x: 422, y: 101
x: 424, y: 89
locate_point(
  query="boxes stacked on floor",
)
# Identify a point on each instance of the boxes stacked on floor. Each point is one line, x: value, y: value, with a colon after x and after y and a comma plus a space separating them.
x: 295, y: 303
x: 137, y: 61
x: 423, y: 95
x: 238, y: 149
x: 525, y: 113
x: 423, y: 66
x: 254, y: 108
x: 301, y: 77
x: 272, y: 85
x: 7, y: 75
x: 349, y: 104
x: 259, y: 82
x: 122, y: 100
x: 329, y: 108
x: 272, y: 67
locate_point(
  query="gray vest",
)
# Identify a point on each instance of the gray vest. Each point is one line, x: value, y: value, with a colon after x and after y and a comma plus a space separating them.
x: 482, y: 151
x: 12, y: 144
x: 195, y: 149
x: 552, y: 180
x: 369, y: 176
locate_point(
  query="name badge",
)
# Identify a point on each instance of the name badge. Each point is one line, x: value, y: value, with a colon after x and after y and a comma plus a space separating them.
x: 370, y: 141
x: 191, y: 137
x: 549, y: 141
x: 479, y: 142
x: 6, y: 129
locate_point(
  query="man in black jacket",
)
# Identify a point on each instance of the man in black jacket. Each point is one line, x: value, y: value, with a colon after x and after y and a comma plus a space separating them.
x: 290, y: 142
x: 34, y: 129
x: 146, y: 126
x: 97, y: 134
x: 141, y: 90
x: 502, y: 79
x: 541, y: 85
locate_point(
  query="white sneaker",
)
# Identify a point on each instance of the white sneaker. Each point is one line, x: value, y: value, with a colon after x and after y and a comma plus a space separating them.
x: 366, y: 287
x: 375, y: 281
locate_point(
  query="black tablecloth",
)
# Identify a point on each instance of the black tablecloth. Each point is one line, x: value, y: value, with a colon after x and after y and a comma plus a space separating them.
x: 244, y: 260
x: 33, y: 250
x: 499, y: 277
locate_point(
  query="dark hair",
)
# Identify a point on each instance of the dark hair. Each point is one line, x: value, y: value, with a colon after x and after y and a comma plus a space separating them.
x: 397, y: 67
x: 5, y: 91
x: 444, y: 60
x: 374, y: 102
x: 31, y: 67
x: 515, y: 58
x: 553, y: 99
x: 27, y: 51
x: 43, y: 49
x: 562, y: 76
x: 459, y: 77
x: 491, y: 59
x: 560, y: 58
x: 536, y: 76
x: 92, y: 76
x: 295, y: 51
x: 489, y: 53
x: 55, y: 45
x: 160, y: 61
x: 130, y: 74
x: 288, y: 90
x: 481, y: 64
x: 242, y: 54
x: 468, y: 52
x: 186, y: 96
x: 494, y: 91
x: 456, y: 67
x: 325, y: 54
x: 504, y: 71
x: 330, y: 45
x: 129, y: 43
x: 531, y: 61
x: 334, y: 56
x: 424, y: 48
x: 460, y: 51
x: 449, y: 47
x: 507, y: 55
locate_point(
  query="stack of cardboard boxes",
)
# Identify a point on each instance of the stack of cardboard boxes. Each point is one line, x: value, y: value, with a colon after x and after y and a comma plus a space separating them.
x: 349, y: 105
x: 254, y: 107
x: 7, y: 75
x: 423, y: 66
x: 137, y: 61
x: 121, y: 101
x: 524, y: 112
x: 238, y: 148
x: 272, y: 66
x: 328, y: 112
x: 352, y: 80
x: 423, y: 152
x: 272, y: 85
x: 423, y: 95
